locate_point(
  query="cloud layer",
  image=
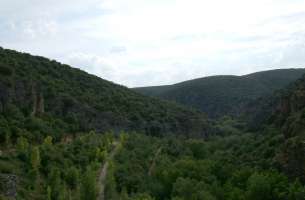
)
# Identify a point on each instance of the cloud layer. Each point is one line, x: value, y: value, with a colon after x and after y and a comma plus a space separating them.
x: 142, y: 42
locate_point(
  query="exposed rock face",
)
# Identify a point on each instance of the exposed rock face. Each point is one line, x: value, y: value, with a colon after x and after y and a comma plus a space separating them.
x: 4, y: 96
x: 290, y: 117
x: 5, y: 84
x: 286, y: 111
x: 68, y: 99
x: 8, y: 185
x: 38, y: 101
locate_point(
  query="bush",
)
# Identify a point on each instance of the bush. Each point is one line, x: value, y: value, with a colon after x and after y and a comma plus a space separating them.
x: 5, y: 71
x: 6, y: 168
x: 88, y: 187
x: 259, y: 187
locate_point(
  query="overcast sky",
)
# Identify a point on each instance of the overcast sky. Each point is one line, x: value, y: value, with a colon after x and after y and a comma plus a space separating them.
x: 155, y: 42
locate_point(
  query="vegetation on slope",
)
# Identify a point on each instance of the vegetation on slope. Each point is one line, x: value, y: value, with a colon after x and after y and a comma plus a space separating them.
x: 45, y: 97
x: 267, y: 164
x: 224, y: 95
x: 47, y: 110
x: 54, y: 170
x: 236, y: 167
x: 289, y: 116
x: 284, y: 110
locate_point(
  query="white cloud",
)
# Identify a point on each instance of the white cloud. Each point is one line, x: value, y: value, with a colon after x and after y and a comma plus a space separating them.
x: 142, y: 42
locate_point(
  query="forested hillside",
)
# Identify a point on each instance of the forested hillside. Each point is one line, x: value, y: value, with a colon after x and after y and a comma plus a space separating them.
x: 54, y: 121
x: 289, y: 116
x: 236, y: 167
x: 225, y: 95
x: 43, y: 97
x: 236, y: 164
x: 51, y: 170
x: 65, y: 134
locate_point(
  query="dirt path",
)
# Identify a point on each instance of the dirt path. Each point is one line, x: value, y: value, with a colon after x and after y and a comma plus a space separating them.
x: 153, y: 164
x: 103, y: 173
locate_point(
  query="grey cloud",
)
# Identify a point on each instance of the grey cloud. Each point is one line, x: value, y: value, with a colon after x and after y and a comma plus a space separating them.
x: 226, y: 36
x: 63, y: 30
x: 118, y: 49
x: 292, y: 55
x: 91, y: 63
x: 295, y: 17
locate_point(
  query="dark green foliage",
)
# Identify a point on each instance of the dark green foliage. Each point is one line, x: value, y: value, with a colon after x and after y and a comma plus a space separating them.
x: 50, y: 98
x: 225, y: 95
x: 186, y: 188
x: 289, y: 117
x: 110, y: 185
x: 35, y: 159
x: 22, y: 148
x: 56, y: 170
x: 5, y: 71
x: 72, y: 177
x: 55, y: 183
x: 88, y: 185
x: 233, y: 167
x: 47, y: 112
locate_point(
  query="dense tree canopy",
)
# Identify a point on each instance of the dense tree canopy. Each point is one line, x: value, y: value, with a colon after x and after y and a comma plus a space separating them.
x: 46, y: 96
x: 59, y: 126
x: 225, y: 95
x: 231, y: 167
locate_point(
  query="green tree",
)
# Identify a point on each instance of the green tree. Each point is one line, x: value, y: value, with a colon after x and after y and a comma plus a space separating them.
x: 22, y: 148
x: 143, y: 196
x: 7, y: 138
x: 88, y: 186
x: 35, y: 158
x: 55, y: 184
x: 48, y: 141
x: 110, y: 186
x: 259, y: 187
x: 189, y: 189
x: 72, y: 177
x: 296, y: 191
x: 124, y: 194
x: 49, y: 193
x: 100, y: 155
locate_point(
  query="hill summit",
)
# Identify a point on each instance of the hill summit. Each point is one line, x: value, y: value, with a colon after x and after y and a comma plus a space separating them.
x: 224, y: 95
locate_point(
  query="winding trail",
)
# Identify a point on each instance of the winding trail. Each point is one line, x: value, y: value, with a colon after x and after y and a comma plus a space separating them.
x: 103, y: 173
x: 153, y: 164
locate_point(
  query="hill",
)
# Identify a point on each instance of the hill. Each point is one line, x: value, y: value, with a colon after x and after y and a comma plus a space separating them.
x: 224, y: 95
x: 289, y: 116
x: 266, y: 164
x: 45, y: 97
x: 285, y: 112
x: 49, y: 151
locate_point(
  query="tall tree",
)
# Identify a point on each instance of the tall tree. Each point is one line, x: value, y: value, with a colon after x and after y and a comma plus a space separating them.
x: 88, y: 187
x: 35, y: 159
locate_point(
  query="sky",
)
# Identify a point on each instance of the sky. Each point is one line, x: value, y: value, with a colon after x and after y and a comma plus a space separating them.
x: 157, y: 42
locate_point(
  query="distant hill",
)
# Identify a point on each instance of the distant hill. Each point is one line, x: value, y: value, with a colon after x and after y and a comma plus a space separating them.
x: 45, y: 97
x: 49, y: 151
x: 224, y: 95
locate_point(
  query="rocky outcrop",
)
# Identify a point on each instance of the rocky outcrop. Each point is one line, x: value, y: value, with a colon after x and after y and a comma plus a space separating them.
x: 289, y: 117
x: 5, y: 84
x: 285, y: 110
x: 8, y: 185
x: 38, y: 101
x: 4, y: 96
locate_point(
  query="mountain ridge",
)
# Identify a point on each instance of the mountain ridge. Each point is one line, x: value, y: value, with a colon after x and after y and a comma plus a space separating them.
x: 36, y: 87
x: 224, y: 94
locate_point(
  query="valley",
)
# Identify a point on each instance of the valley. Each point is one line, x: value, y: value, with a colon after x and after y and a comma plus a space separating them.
x: 69, y: 135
